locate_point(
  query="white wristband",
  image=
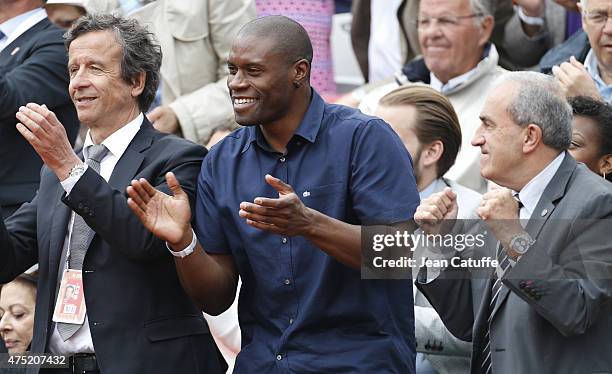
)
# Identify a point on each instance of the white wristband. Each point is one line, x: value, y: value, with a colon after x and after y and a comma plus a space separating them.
x: 188, y: 250
x: 531, y: 21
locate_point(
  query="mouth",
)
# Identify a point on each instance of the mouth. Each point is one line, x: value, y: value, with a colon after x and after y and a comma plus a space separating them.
x: 9, y: 344
x: 242, y: 103
x: 84, y: 100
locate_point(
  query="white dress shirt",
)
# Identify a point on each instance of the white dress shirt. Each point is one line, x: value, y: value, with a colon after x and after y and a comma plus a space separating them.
x: 532, y: 192
x: 117, y: 143
x: 14, y: 27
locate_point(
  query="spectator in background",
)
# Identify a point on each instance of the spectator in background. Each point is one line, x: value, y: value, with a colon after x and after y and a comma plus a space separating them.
x: 583, y: 64
x: 195, y: 36
x: 592, y: 135
x: 17, y: 307
x: 32, y: 68
x: 316, y: 17
x: 221, y: 132
x: 538, y: 26
x: 63, y: 13
x: 458, y: 61
x: 429, y: 128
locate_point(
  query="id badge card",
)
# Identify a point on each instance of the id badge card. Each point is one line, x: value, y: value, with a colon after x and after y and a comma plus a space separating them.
x: 70, y: 303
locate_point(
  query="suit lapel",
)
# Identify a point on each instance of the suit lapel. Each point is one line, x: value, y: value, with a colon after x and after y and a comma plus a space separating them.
x: 132, y: 158
x: 59, y: 226
x: 546, y: 205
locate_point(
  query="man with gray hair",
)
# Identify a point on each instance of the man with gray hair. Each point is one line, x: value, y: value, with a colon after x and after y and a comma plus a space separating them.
x: 131, y: 314
x: 459, y: 62
x: 546, y: 307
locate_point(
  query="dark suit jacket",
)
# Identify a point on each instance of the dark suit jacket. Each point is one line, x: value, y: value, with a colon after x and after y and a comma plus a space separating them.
x: 554, y: 314
x: 140, y: 318
x: 32, y: 69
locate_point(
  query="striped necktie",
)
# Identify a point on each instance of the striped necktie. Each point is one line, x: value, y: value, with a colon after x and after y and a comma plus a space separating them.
x: 498, y: 274
x: 81, y: 235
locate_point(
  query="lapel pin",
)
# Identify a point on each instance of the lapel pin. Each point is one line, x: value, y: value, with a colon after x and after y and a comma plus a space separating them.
x: 306, y: 193
x: 15, y: 51
x: 544, y: 212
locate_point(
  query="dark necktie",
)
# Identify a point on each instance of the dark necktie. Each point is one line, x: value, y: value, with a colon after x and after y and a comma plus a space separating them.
x: 502, y: 268
x: 81, y: 236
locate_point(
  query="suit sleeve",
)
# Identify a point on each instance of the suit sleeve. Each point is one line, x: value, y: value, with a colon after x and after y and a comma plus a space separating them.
x: 105, y: 209
x: 196, y: 120
x: 41, y: 78
x: 574, y: 290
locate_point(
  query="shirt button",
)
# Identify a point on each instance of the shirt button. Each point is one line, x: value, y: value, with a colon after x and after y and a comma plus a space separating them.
x: 279, y: 357
x: 287, y: 281
x: 282, y: 159
x: 291, y: 321
x: 284, y: 240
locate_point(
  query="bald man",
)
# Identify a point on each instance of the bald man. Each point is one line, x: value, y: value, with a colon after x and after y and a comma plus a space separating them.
x: 281, y: 203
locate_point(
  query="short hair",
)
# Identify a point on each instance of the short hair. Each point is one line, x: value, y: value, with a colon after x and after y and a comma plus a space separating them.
x: 436, y: 119
x: 483, y: 7
x: 540, y: 100
x: 141, y: 52
x: 290, y: 38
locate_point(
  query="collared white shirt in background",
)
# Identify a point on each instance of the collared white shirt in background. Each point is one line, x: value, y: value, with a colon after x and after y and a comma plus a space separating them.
x: 117, y: 143
x: 532, y: 192
x: 591, y: 65
x: 384, y: 46
x: 14, y: 27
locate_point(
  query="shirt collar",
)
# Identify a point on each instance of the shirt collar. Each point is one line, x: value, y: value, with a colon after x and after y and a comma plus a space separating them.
x: 15, y: 24
x: 433, y: 187
x: 592, y: 67
x: 488, y: 55
x: 533, y: 190
x: 308, y: 129
x: 118, y: 141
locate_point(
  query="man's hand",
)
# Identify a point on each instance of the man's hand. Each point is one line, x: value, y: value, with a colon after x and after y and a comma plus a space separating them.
x: 41, y: 128
x: 499, y: 210
x: 575, y: 79
x: 164, y: 119
x: 167, y: 217
x: 286, y: 215
x: 435, y: 210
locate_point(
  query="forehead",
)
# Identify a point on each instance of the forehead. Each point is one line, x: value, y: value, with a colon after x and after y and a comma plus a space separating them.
x: 498, y: 100
x: 251, y: 49
x: 15, y: 293
x: 98, y: 44
x: 604, y: 5
x: 404, y: 116
x: 586, y: 127
x: 454, y: 7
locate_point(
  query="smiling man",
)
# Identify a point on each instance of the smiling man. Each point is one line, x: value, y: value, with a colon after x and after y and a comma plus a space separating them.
x: 125, y: 309
x: 281, y: 203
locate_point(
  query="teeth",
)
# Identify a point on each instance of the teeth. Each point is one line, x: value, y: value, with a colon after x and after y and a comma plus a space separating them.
x: 244, y: 101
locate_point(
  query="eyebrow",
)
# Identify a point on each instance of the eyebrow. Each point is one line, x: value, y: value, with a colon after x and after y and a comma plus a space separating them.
x: 485, y: 118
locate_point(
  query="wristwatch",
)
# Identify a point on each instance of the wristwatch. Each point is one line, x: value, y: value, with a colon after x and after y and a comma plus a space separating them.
x: 77, y: 170
x: 521, y: 243
x: 188, y: 250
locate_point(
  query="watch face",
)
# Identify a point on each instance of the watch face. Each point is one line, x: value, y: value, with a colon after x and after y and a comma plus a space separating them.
x: 521, y: 243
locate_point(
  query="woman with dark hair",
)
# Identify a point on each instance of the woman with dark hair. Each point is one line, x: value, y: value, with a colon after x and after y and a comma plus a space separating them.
x: 17, y: 306
x: 592, y: 134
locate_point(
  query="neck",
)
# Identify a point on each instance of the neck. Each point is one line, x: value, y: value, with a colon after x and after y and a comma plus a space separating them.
x: 530, y: 168
x: 99, y: 132
x: 11, y: 9
x: 425, y: 178
x: 280, y: 132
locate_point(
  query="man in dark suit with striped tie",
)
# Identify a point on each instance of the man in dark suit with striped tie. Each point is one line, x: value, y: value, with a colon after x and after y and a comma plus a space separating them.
x: 547, y: 307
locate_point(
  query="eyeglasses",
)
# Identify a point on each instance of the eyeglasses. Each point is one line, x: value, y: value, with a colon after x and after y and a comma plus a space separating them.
x: 444, y: 21
x: 597, y: 18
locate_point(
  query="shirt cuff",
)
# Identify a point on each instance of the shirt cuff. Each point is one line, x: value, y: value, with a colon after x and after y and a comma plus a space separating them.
x: 69, y: 183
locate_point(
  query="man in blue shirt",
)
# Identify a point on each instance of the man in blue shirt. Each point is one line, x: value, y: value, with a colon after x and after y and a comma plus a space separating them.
x: 281, y: 203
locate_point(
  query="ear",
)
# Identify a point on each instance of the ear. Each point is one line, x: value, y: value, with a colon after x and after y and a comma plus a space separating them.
x: 431, y: 153
x: 486, y: 30
x: 300, y: 71
x: 532, y: 137
x: 138, y: 83
x: 605, y: 165
x: 581, y: 10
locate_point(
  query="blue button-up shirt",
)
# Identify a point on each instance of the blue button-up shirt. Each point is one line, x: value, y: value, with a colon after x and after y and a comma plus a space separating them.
x: 591, y: 65
x: 300, y: 310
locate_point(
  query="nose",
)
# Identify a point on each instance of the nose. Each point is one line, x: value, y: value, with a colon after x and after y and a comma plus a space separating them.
x: 79, y: 79
x: 236, y: 81
x: 478, y: 138
x: 607, y: 28
x: 4, y: 324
